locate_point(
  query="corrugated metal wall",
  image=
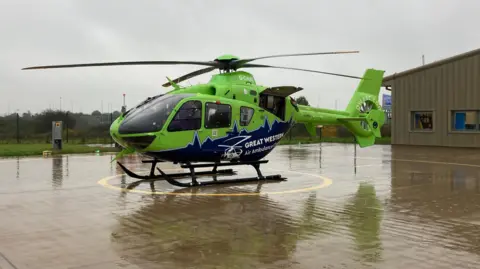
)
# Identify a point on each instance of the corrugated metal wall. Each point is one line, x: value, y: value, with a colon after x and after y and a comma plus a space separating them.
x: 451, y: 86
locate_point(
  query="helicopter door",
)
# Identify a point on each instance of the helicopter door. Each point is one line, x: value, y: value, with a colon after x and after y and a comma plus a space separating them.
x: 281, y: 91
x: 273, y: 104
x: 273, y: 99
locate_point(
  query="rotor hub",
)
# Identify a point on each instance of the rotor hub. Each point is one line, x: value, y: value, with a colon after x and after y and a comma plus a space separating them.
x: 226, y: 62
x: 226, y: 58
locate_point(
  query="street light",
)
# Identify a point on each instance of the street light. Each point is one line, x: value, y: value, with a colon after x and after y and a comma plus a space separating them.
x: 124, y: 107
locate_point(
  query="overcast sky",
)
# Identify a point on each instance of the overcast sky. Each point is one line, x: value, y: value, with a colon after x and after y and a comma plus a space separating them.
x: 390, y: 35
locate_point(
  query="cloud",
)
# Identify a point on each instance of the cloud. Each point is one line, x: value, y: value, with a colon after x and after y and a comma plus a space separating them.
x: 391, y: 35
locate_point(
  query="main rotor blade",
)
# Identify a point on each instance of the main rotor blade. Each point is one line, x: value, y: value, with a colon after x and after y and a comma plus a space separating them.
x: 298, y: 69
x: 190, y: 75
x: 240, y: 62
x: 213, y: 64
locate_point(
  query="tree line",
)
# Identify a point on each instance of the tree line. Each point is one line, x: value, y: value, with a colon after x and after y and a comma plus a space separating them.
x: 38, y: 126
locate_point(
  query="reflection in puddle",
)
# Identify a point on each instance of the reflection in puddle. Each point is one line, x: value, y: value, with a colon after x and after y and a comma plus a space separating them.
x: 231, y: 232
x: 364, y: 212
x: 57, y: 171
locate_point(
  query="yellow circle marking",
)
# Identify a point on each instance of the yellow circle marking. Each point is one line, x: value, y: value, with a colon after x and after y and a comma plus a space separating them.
x: 326, y: 182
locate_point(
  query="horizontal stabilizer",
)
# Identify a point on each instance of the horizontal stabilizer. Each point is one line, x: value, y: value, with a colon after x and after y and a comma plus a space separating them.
x: 375, y: 119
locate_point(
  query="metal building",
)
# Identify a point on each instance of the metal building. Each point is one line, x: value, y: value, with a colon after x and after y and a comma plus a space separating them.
x: 437, y: 104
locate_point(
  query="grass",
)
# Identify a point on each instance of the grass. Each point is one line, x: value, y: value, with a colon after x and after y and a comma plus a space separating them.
x: 97, y: 140
x: 11, y: 150
x: 307, y: 140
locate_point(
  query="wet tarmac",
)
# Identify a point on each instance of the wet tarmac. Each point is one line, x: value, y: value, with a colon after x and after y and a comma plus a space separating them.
x: 388, y: 207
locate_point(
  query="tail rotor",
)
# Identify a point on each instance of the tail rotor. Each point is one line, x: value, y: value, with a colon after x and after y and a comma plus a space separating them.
x: 365, y: 107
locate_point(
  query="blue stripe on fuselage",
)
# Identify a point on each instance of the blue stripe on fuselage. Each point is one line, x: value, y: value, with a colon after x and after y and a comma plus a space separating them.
x: 243, y: 145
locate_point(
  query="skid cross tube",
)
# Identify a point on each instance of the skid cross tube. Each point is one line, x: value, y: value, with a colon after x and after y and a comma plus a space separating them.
x: 170, y: 178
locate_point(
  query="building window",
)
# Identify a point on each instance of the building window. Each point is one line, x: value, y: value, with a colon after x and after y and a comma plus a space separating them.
x: 217, y: 115
x: 466, y: 120
x: 422, y: 120
x: 188, y: 117
x: 246, y: 114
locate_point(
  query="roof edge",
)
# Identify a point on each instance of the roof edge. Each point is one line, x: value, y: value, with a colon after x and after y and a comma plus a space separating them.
x: 432, y: 64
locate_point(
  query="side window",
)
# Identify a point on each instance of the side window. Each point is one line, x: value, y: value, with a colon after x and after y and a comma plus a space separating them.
x: 188, y: 117
x: 421, y: 121
x: 246, y: 114
x: 217, y: 115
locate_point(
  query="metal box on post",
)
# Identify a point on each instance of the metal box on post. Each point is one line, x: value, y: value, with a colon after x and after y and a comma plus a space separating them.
x: 57, y: 128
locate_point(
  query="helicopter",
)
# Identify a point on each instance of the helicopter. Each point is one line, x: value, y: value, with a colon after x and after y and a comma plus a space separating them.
x: 230, y: 120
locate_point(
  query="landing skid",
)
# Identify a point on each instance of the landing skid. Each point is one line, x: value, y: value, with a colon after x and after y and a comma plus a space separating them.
x: 193, y: 175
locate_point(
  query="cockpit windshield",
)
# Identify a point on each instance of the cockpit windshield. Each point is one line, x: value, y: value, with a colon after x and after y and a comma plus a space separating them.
x: 151, y: 116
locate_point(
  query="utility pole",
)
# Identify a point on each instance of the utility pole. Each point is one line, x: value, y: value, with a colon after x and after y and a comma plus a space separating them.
x: 111, y: 120
x: 66, y: 123
x: 423, y: 59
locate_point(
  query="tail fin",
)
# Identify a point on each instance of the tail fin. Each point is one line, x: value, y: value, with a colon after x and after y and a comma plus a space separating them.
x: 365, y: 113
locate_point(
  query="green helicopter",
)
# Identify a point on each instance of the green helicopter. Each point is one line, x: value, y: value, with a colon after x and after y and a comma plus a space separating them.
x: 231, y: 120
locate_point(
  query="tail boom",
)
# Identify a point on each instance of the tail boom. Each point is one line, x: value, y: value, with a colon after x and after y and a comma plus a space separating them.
x: 352, y: 118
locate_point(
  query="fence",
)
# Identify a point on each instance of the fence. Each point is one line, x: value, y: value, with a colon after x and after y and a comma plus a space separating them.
x: 299, y: 131
x: 83, y: 129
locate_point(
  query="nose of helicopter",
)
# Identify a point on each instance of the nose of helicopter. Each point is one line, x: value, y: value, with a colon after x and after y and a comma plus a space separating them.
x: 138, y: 128
x: 115, y: 134
x: 138, y: 140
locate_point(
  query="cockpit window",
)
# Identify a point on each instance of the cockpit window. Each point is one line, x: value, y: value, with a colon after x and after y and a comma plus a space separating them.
x: 188, y: 117
x: 151, y: 116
